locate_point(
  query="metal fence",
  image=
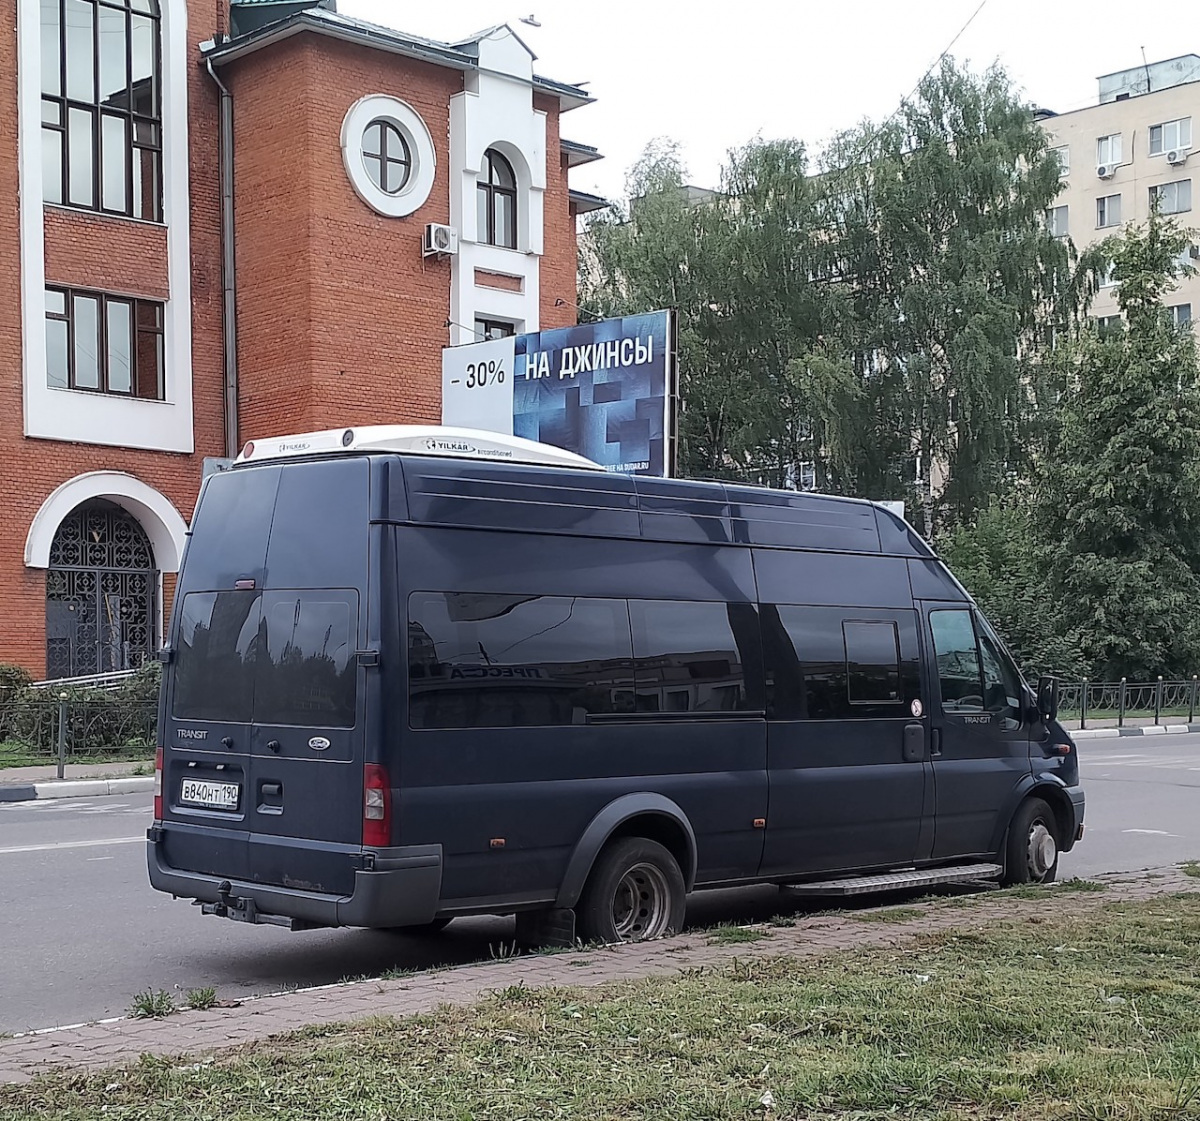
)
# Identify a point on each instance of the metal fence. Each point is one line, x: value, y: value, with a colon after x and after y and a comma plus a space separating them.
x: 46, y: 729
x: 1119, y: 700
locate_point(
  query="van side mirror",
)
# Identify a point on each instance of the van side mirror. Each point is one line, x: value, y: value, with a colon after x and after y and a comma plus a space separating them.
x: 1047, y: 697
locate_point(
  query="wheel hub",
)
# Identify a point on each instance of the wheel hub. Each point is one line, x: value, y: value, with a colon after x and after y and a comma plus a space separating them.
x: 1042, y: 849
x: 641, y: 904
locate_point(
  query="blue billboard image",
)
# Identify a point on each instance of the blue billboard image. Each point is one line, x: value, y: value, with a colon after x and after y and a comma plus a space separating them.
x: 601, y: 389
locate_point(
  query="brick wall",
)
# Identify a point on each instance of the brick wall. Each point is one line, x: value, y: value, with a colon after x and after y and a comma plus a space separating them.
x: 108, y: 254
x: 558, y: 260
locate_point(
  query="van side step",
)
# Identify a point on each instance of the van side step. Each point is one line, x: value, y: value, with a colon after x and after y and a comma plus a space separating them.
x: 897, y: 881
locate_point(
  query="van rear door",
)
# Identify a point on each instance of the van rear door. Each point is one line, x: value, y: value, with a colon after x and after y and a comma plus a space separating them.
x: 263, y: 747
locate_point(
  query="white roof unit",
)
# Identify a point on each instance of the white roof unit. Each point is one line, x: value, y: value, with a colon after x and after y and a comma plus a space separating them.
x: 415, y: 439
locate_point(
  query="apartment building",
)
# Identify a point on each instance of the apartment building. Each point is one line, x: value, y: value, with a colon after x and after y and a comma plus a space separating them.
x: 1139, y: 144
x: 225, y: 219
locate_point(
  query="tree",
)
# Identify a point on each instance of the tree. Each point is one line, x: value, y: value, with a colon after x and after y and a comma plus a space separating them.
x: 1120, y: 497
x: 936, y: 221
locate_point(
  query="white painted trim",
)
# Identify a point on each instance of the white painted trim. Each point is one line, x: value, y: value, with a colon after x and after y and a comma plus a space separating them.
x: 91, y: 418
x: 378, y: 106
x: 154, y: 511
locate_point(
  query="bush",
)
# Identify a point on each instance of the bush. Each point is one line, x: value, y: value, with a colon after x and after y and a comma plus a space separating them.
x: 13, y: 679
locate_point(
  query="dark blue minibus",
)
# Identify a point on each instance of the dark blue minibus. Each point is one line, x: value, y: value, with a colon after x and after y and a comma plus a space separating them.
x: 414, y: 674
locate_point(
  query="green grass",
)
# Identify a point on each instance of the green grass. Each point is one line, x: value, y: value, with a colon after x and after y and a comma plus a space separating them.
x: 889, y: 914
x: 16, y: 754
x: 199, y: 1000
x: 1191, y: 868
x: 727, y: 934
x: 1084, y: 1017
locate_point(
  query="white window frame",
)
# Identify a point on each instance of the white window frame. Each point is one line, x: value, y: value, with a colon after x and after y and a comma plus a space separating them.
x: 1104, y: 219
x: 1182, y: 127
x: 1109, y: 149
x: 1052, y: 215
x: 1176, y: 311
x: 1159, y: 191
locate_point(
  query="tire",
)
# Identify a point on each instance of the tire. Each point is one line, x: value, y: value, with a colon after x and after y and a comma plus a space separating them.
x: 1031, y: 849
x: 634, y: 893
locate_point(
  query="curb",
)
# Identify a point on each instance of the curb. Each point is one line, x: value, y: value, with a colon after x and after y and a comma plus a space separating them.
x: 1122, y: 733
x: 75, y: 788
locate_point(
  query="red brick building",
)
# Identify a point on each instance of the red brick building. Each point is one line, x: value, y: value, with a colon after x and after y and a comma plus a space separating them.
x: 219, y: 223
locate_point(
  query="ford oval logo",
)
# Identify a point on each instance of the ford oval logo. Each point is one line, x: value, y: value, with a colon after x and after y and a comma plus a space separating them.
x: 319, y: 743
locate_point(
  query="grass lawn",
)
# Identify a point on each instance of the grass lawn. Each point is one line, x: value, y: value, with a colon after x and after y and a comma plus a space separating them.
x: 1095, y: 1016
x: 15, y: 754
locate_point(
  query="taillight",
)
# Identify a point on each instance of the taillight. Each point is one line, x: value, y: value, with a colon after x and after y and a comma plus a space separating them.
x: 158, y: 784
x: 377, y: 806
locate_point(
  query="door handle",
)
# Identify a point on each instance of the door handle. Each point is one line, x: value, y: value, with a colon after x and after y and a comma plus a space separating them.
x: 914, y: 743
x: 935, y: 744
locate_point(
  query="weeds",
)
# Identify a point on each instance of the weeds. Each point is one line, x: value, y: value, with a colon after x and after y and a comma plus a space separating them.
x: 152, y: 1004
x: 200, y: 1000
x: 729, y: 934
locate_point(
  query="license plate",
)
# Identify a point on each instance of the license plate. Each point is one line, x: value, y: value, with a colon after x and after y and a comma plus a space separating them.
x: 215, y: 795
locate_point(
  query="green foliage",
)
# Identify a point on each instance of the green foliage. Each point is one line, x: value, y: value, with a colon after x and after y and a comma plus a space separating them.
x: 13, y: 679
x: 153, y: 1004
x: 999, y: 560
x: 1120, y: 497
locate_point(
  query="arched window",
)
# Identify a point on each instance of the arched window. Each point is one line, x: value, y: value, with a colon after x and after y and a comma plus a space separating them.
x: 100, y: 593
x: 497, y: 197
x: 102, y: 105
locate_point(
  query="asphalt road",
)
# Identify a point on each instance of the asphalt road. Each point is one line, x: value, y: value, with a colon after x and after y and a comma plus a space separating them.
x: 81, y: 932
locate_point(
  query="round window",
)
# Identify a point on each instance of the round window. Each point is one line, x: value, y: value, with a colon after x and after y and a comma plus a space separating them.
x: 386, y: 156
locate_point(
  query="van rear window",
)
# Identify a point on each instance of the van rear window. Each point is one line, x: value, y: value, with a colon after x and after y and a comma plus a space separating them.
x: 275, y: 657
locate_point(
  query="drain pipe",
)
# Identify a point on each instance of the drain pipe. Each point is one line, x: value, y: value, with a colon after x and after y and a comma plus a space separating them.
x: 228, y: 263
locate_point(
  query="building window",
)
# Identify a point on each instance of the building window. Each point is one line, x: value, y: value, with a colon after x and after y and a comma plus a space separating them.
x: 1063, y: 155
x: 1108, y: 150
x: 1108, y: 211
x: 102, y: 106
x: 387, y: 156
x: 1172, y: 198
x: 497, y: 198
x: 1170, y: 135
x: 1056, y: 221
x: 1181, y: 314
x: 104, y: 344
x: 489, y: 329
x: 1107, y: 325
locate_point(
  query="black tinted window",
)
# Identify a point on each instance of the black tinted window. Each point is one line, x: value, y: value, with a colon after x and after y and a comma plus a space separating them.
x: 823, y: 666
x: 872, y: 663
x: 306, y: 667
x: 214, y: 662
x: 1002, y: 689
x: 488, y: 661
x: 695, y: 657
x: 957, y: 660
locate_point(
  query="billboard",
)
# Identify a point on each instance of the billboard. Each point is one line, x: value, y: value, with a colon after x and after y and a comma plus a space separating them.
x: 604, y: 390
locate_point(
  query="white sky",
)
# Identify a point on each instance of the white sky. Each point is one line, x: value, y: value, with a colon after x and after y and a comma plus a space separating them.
x: 713, y: 76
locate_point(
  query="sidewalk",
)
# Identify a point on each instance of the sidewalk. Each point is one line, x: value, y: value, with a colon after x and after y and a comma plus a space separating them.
x: 82, y: 780
x: 1108, y: 729
x: 95, y: 1046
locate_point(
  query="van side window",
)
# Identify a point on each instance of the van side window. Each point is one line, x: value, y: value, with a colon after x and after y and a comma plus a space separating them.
x: 505, y: 661
x: 957, y: 660
x: 214, y: 662
x: 872, y: 663
x: 694, y: 657
x: 824, y: 666
x: 1001, y: 683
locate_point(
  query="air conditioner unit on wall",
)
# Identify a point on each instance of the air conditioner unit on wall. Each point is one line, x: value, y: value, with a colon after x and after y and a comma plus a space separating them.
x: 1177, y: 156
x: 439, y: 240
x: 1106, y: 170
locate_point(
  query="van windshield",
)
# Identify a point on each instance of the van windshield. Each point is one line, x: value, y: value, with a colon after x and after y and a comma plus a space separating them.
x: 274, y: 657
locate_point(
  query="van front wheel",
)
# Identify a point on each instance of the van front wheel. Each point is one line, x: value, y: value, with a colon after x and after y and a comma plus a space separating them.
x: 1031, y: 851
x: 635, y: 893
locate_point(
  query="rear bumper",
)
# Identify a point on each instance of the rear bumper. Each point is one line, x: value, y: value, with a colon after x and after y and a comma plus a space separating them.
x: 402, y: 889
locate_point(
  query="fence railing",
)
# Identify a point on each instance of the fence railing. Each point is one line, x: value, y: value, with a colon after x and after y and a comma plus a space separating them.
x: 1119, y: 700
x: 47, y: 729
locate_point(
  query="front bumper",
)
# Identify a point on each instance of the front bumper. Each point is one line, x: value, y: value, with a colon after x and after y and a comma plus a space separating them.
x: 401, y: 889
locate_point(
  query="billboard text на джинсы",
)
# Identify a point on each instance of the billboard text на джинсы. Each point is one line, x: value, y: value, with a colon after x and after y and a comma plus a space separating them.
x: 603, y: 390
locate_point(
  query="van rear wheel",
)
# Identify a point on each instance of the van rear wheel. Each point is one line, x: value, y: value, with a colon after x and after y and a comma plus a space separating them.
x: 635, y: 892
x: 1031, y: 850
